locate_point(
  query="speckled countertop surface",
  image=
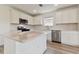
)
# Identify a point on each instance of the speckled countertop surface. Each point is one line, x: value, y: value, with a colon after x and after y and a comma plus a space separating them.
x: 23, y: 36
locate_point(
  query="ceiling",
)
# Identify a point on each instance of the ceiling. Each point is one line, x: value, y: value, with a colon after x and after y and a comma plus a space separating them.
x: 35, y: 9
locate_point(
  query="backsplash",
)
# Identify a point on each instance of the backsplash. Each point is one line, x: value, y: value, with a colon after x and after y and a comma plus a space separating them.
x: 31, y: 27
x: 64, y: 27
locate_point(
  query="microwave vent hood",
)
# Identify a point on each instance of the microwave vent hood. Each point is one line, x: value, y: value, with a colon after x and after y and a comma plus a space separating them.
x: 23, y: 21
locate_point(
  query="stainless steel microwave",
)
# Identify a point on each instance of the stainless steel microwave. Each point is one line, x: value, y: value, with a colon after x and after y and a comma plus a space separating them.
x: 23, y: 21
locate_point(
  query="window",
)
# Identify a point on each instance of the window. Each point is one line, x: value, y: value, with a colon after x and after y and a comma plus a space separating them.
x: 48, y: 21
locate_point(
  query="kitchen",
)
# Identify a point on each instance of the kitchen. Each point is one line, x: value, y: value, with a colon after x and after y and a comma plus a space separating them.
x: 43, y: 22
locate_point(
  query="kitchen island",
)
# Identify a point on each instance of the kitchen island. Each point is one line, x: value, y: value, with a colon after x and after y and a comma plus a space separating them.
x: 25, y: 43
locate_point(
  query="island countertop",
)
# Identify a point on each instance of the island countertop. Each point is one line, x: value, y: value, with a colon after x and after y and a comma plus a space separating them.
x: 23, y: 36
x: 31, y: 42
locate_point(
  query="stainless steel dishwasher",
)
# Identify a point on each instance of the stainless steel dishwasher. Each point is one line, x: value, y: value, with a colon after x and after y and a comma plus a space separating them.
x: 56, y: 36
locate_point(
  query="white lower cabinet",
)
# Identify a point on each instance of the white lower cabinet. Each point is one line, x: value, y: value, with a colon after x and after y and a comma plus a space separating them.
x: 70, y: 37
x: 49, y: 36
x: 35, y: 45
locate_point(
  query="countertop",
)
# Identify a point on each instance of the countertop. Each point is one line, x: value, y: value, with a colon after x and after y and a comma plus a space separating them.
x: 23, y: 36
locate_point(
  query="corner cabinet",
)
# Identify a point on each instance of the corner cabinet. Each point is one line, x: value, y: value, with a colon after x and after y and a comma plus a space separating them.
x: 67, y: 15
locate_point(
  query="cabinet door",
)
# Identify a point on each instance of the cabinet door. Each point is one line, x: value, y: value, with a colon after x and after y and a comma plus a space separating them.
x: 23, y: 16
x: 27, y: 17
x: 49, y: 36
x: 69, y: 37
x: 4, y: 19
x: 69, y: 15
x: 58, y: 17
x: 38, y: 20
x: 30, y: 20
x: 14, y: 16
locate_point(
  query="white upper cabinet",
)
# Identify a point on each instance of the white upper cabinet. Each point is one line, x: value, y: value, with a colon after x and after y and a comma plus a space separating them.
x: 37, y: 20
x: 67, y: 15
x: 30, y: 20
x: 27, y: 17
x: 23, y: 15
x: 58, y: 17
x: 46, y: 19
x: 15, y: 15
